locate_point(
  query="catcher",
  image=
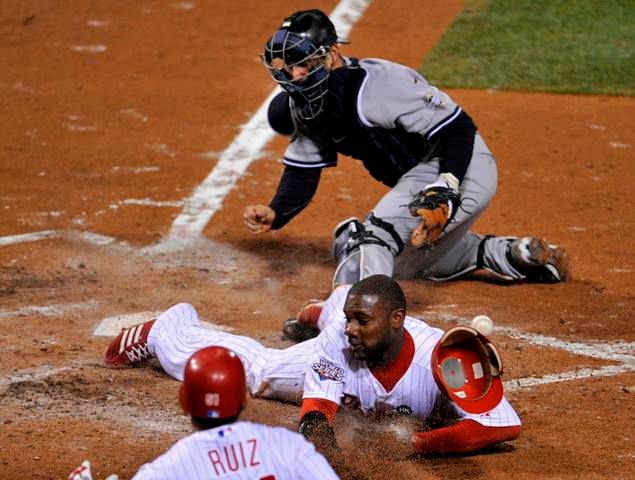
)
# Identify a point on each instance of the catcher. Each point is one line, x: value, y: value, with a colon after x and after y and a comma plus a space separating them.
x: 410, y: 136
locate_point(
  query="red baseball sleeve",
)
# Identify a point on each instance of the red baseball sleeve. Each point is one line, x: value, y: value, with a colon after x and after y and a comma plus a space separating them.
x: 463, y: 437
x: 328, y: 408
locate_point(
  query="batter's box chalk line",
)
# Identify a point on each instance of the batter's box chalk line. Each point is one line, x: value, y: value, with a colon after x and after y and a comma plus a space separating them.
x: 72, y: 234
x: 111, y: 326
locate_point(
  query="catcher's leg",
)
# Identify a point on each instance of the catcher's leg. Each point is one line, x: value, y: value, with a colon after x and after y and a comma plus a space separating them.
x: 527, y: 258
x: 364, y: 249
x: 178, y: 333
x: 455, y: 252
x: 461, y: 251
x: 509, y: 258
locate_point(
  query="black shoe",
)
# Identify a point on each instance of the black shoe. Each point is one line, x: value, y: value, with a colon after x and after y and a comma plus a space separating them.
x: 538, y: 260
x: 295, y: 331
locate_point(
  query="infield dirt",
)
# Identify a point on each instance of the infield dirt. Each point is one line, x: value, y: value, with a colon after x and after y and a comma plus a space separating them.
x: 113, y: 112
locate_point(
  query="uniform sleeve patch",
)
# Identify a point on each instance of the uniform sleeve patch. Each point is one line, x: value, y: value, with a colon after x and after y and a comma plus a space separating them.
x: 327, y: 370
x: 435, y: 100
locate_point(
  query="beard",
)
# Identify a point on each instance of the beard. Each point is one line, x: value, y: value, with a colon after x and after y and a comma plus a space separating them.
x: 373, y: 355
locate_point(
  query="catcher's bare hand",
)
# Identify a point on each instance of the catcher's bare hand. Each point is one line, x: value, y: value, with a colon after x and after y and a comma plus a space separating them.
x: 259, y: 218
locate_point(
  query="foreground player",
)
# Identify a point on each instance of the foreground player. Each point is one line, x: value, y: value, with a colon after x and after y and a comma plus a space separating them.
x: 410, y: 136
x: 213, y: 392
x: 385, y: 362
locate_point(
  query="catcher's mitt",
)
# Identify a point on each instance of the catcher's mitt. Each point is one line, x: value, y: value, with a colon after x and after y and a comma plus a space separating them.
x: 436, y: 205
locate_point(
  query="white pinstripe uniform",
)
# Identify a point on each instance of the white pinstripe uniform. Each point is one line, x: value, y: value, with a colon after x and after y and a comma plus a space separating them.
x: 280, y: 374
x: 271, y: 372
x: 242, y: 450
x: 346, y: 377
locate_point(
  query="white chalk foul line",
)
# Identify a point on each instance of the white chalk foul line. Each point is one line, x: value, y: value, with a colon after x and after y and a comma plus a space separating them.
x: 88, y: 237
x: 584, y: 373
x: 621, y: 352
x: 248, y: 146
x: 208, y: 197
x: 605, y: 350
x: 29, y: 237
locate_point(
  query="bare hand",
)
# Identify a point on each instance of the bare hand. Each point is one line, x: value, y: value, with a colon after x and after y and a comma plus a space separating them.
x: 259, y: 218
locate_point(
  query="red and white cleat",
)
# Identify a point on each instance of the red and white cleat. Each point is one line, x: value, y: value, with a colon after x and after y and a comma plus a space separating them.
x: 309, y: 314
x: 130, y: 347
x: 305, y: 325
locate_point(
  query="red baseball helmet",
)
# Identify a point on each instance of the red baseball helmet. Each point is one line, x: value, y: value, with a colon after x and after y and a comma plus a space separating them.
x: 213, y: 384
x: 467, y: 369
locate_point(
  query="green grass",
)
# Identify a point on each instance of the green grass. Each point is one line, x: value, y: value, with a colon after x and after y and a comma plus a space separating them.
x: 565, y: 46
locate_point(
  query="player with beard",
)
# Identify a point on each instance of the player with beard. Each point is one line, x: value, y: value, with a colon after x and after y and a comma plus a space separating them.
x: 369, y: 356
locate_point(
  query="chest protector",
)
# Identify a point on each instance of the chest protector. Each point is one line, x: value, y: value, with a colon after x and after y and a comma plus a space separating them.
x: 386, y: 153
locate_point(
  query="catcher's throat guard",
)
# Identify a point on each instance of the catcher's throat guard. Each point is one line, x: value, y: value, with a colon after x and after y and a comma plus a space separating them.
x: 467, y: 369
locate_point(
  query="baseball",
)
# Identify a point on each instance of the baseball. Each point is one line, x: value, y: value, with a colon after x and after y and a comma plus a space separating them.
x: 483, y: 324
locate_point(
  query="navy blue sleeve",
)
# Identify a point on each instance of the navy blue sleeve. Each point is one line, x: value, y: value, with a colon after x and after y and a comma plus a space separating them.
x: 456, y: 141
x: 295, y: 191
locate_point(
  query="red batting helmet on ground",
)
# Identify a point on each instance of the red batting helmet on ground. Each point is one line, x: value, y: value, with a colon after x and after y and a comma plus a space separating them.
x: 213, y: 384
x: 467, y: 369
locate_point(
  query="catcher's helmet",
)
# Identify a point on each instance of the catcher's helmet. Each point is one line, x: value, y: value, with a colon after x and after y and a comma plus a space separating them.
x: 304, y: 38
x: 213, y: 384
x: 467, y: 368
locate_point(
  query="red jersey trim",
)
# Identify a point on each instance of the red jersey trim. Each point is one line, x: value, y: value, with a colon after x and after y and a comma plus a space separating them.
x: 327, y: 407
x: 389, y: 375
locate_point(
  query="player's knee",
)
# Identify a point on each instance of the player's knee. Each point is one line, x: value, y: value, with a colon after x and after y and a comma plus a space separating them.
x: 183, y: 309
x: 363, y: 249
x: 350, y: 234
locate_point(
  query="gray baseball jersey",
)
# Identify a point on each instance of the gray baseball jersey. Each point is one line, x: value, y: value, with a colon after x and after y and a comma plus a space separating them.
x: 405, y: 116
x: 390, y: 96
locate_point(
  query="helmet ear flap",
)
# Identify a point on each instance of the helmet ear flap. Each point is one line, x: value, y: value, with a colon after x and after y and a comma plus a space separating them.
x: 496, y: 362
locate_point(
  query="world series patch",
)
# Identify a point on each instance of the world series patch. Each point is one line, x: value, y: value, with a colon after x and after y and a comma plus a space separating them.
x: 326, y: 369
x: 435, y: 100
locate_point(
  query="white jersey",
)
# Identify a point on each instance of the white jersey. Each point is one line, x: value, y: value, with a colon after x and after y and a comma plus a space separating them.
x: 336, y: 375
x: 270, y: 372
x: 242, y: 450
x: 284, y: 374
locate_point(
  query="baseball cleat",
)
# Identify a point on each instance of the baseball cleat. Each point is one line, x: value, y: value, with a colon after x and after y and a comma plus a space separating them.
x: 310, y: 312
x: 538, y: 260
x: 130, y: 347
x: 293, y: 330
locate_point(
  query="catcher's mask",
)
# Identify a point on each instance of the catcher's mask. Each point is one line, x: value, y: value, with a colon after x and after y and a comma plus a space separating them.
x: 213, y: 384
x: 304, y: 39
x: 467, y: 369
